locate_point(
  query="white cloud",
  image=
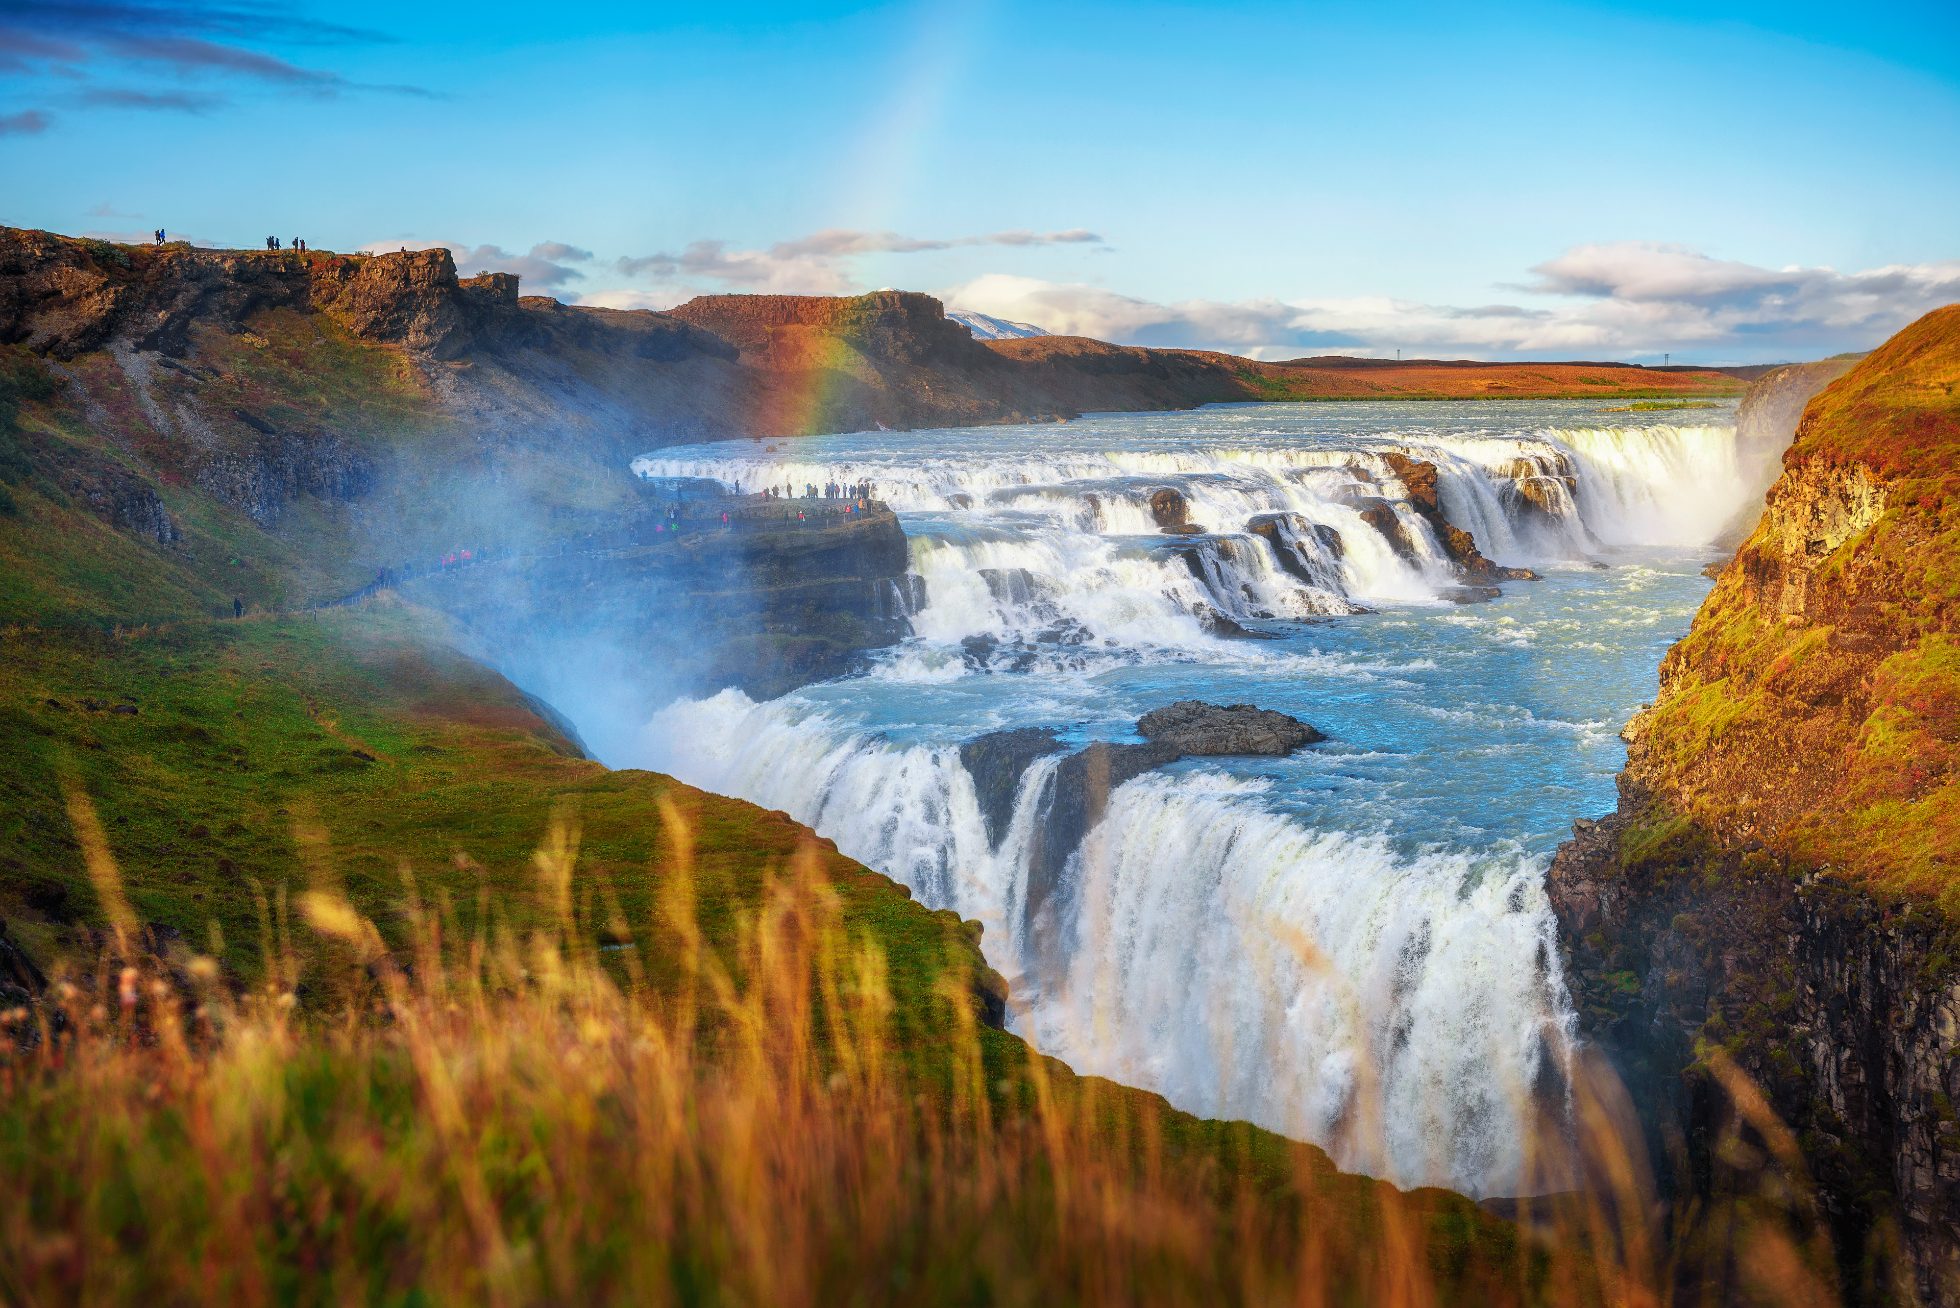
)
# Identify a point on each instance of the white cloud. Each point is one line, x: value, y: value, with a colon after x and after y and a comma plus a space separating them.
x: 1632, y: 298
x: 817, y: 264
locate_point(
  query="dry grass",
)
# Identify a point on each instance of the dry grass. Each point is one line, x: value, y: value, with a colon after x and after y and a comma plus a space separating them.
x: 509, y: 1119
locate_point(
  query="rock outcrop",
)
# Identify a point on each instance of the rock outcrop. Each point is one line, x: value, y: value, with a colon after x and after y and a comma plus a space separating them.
x: 1196, y: 729
x: 1779, y: 880
x: 764, y: 605
x: 1766, y: 423
x: 1077, y: 795
x: 1418, y: 478
x: 997, y: 762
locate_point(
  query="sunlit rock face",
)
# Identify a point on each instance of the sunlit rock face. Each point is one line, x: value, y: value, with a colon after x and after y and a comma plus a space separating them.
x: 1778, y: 878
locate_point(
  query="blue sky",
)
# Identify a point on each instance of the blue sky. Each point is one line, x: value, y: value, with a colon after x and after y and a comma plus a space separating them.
x: 1762, y: 182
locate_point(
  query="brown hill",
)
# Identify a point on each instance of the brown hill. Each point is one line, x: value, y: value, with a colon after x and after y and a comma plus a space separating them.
x: 720, y: 365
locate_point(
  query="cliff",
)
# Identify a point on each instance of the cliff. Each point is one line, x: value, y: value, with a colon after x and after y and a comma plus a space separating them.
x: 1778, y: 884
x: 1766, y: 424
x: 715, y: 366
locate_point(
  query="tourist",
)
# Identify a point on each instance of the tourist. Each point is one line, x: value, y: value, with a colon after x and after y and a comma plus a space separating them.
x: 237, y: 607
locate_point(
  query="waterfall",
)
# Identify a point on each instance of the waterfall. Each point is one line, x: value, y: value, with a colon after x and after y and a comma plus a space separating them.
x: 1225, y: 955
x: 1321, y: 971
x: 1275, y: 533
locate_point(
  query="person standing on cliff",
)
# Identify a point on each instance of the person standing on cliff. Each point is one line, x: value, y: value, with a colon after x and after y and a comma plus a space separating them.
x: 237, y: 607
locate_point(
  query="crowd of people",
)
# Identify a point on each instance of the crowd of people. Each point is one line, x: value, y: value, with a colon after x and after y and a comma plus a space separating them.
x: 272, y: 243
x: 830, y: 490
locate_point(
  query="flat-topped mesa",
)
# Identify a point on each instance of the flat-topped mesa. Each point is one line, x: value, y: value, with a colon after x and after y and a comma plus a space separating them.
x: 904, y: 326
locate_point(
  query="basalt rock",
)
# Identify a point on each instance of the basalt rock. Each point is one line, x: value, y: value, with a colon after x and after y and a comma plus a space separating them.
x: 1172, y: 512
x: 1418, y: 478
x: 1381, y: 515
x: 1541, y: 485
x: 1195, y: 728
x: 264, y: 475
x: 766, y: 605
x: 1295, y: 558
x: 124, y: 500
x: 996, y: 762
x: 1078, y: 793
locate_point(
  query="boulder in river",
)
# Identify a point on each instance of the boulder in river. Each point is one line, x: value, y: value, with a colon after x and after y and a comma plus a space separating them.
x: 1195, y: 728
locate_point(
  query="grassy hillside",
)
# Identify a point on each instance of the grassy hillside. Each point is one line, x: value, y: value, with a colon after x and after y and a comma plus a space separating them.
x: 264, y: 860
x: 1816, y: 703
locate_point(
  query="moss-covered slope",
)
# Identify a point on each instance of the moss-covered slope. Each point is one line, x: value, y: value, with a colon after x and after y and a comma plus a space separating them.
x: 1815, y: 705
x: 1778, y: 890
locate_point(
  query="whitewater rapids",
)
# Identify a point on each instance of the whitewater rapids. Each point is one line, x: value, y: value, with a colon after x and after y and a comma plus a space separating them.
x: 1352, y: 946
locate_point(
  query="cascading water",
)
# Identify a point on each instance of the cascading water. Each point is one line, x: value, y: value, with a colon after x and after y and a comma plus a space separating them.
x: 1352, y: 944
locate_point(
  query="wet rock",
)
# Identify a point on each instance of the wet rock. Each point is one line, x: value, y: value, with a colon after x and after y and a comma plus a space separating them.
x: 1195, y: 728
x: 1419, y: 477
x: 1471, y: 594
x: 996, y: 762
x: 1285, y: 532
x: 1013, y: 585
x: 1380, y: 514
x: 1078, y: 795
x: 1541, y: 484
x: 1217, y: 624
x: 1169, y: 509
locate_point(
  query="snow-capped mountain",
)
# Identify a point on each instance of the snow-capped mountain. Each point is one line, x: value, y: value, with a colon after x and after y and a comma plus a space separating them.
x: 987, y: 328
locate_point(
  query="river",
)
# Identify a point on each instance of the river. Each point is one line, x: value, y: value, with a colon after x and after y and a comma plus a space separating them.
x: 1350, y: 945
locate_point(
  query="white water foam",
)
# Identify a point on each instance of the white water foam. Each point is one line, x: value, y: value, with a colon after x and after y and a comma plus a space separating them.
x: 1399, y: 1004
x: 1400, y: 1010
x: 1012, y: 546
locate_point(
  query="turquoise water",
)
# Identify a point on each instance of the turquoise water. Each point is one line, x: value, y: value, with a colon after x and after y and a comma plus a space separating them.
x: 1351, y: 944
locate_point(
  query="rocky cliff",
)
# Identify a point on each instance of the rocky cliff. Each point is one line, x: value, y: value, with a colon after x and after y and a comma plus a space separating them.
x: 1778, y: 885
x: 764, y: 603
x: 1766, y: 423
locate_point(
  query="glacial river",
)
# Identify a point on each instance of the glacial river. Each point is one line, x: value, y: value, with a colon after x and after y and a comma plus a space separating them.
x: 1351, y: 945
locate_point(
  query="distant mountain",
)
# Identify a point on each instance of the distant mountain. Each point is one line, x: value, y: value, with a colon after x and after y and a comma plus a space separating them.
x: 986, y: 328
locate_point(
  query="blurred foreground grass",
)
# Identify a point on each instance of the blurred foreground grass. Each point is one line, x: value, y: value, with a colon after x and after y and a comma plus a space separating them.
x: 525, y: 1116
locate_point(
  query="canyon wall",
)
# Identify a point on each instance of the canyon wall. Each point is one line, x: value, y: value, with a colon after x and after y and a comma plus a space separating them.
x: 1777, y: 885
